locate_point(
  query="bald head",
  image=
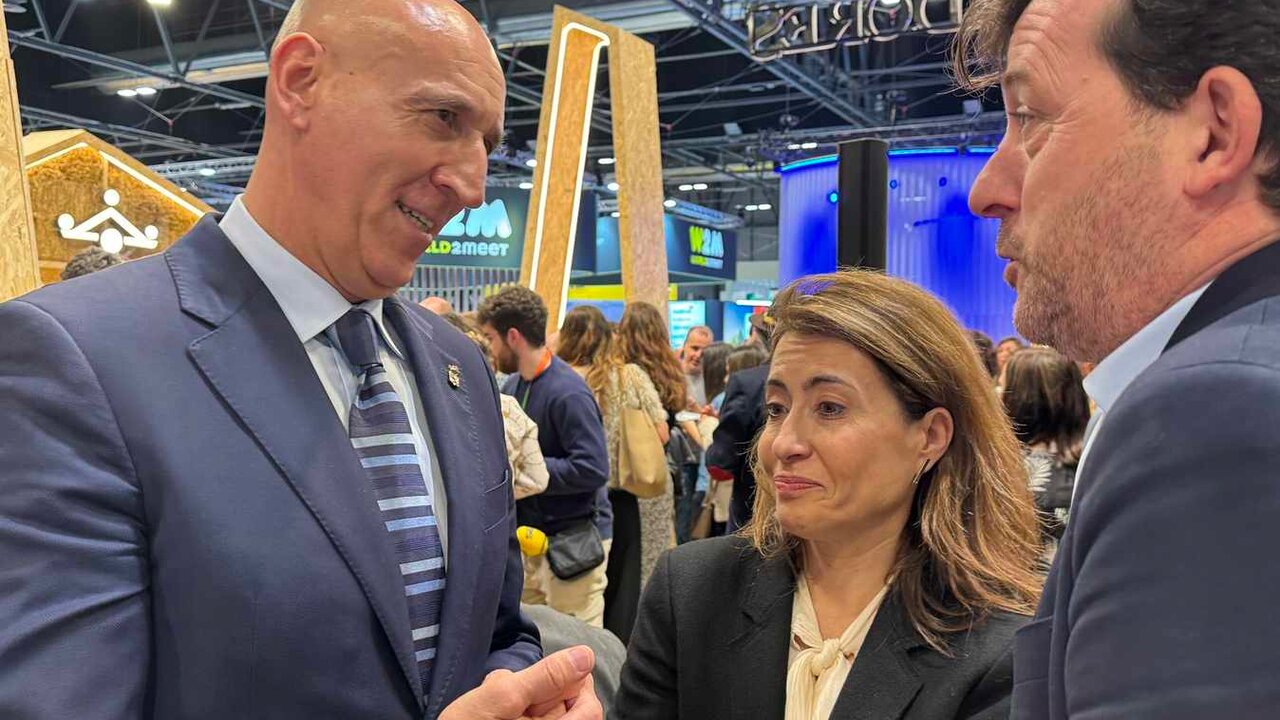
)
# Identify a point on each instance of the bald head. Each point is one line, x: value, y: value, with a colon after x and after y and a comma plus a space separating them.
x: 381, y: 115
x: 355, y: 19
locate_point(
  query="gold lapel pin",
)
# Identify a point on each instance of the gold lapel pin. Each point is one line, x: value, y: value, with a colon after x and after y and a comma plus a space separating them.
x: 455, y: 376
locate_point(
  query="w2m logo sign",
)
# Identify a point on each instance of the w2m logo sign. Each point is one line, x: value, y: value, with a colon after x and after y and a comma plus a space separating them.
x: 706, y: 247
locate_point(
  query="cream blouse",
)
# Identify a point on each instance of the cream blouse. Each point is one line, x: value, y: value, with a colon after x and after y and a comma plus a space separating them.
x: 817, y: 668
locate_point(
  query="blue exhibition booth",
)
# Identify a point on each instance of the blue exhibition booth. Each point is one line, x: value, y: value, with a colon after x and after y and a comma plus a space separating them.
x: 933, y: 240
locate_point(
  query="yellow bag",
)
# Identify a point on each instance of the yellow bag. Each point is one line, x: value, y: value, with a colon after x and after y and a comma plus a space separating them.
x: 642, y: 462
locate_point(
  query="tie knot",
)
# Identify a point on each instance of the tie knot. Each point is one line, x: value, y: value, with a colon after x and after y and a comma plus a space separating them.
x: 358, y: 336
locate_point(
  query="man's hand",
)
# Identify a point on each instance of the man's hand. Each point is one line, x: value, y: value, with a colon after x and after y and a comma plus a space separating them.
x: 558, y: 686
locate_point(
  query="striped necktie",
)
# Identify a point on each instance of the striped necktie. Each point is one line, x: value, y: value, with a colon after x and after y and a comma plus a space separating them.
x: 383, y: 440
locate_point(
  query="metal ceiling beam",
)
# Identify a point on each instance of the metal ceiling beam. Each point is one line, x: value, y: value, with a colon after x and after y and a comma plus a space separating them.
x: 125, y: 66
x: 103, y: 128
x: 728, y: 32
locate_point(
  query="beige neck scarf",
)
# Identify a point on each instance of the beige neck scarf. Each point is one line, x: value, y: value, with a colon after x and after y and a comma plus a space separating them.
x: 818, y: 668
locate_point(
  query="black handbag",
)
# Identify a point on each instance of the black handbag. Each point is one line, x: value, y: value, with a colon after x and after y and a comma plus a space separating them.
x: 575, y: 551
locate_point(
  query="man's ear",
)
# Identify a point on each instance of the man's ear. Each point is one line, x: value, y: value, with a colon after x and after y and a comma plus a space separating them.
x: 1226, y: 120
x: 294, y: 78
x: 514, y: 339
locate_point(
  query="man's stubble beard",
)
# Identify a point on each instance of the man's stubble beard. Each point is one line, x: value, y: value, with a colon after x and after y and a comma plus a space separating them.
x: 1095, y: 280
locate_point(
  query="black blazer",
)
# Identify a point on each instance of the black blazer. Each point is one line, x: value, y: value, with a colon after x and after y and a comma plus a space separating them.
x: 1162, y: 599
x: 712, y: 640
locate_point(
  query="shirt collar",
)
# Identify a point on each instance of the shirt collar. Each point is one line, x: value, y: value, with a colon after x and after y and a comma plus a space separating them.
x: 309, y: 302
x: 1119, y: 369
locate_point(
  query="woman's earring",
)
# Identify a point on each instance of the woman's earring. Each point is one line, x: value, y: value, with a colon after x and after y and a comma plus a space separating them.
x: 923, y: 469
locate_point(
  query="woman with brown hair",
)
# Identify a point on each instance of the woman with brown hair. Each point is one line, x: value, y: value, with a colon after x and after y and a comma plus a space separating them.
x: 893, y: 550
x: 587, y: 344
x: 1045, y: 398
x: 643, y: 340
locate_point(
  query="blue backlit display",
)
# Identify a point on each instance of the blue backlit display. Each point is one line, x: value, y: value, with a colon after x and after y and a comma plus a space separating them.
x: 933, y: 239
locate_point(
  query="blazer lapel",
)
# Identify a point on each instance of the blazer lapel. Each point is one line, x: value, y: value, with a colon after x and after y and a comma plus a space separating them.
x: 1254, y: 278
x: 882, y: 682
x: 454, y: 436
x: 762, y: 639
x: 252, y: 359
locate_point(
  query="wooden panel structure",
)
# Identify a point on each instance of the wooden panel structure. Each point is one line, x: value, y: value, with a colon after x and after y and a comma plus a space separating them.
x: 70, y: 174
x: 568, y: 94
x: 19, y: 272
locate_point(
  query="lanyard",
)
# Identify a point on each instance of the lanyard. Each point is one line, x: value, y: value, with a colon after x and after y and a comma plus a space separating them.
x: 543, y: 365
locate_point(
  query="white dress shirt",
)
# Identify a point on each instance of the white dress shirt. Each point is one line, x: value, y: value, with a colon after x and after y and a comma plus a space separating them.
x: 1119, y: 369
x: 311, y: 306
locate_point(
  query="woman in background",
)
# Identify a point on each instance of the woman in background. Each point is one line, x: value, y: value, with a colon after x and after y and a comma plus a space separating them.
x: 893, y: 550
x: 586, y: 343
x: 1045, y: 398
x: 742, y: 358
x: 714, y: 378
x: 643, y: 340
x: 1005, y: 350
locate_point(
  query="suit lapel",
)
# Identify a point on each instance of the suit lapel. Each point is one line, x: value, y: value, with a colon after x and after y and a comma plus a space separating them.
x: 1254, y: 278
x: 454, y: 436
x: 762, y: 638
x: 882, y: 682
x: 252, y: 359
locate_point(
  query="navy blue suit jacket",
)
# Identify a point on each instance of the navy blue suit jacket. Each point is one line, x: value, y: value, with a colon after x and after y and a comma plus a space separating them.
x: 185, y: 531
x: 1162, y: 599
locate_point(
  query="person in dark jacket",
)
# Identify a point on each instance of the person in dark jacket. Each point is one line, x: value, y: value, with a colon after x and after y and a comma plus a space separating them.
x: 1138, y: 194
x: 571, y: 435
x: 893, y: 551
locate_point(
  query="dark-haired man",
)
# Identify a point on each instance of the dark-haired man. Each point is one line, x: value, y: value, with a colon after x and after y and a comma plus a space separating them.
x: 1139, y: 199
x: 571, y: 435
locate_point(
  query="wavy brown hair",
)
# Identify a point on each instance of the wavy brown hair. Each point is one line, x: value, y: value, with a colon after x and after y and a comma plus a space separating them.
x: 1044, y: 397
x: 643, y: 340
x: 586, y: 340
x: 971, y: 545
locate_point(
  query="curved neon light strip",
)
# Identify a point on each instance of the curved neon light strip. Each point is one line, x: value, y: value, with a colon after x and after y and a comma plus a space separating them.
x: 549, y: 154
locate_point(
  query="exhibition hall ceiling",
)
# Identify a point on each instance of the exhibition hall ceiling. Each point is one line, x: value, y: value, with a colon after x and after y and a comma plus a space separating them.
x: 179, y: 86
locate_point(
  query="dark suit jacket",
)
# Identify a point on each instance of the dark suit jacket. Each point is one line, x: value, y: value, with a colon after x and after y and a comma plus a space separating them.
x: 712, y: 641
x: 185, y: 531
x: 741, y: 418
x: 1162, y: 599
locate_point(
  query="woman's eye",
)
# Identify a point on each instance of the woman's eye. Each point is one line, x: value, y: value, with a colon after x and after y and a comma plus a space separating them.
x: 830, y: 409
x: 446, y: 116
x: 774, y: 410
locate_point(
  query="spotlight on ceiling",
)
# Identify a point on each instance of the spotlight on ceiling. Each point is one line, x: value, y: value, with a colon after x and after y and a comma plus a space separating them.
x: 607, y: 161
x: 699, y: 186
x: 526, y: 185
x: 686, y: 187
x: 531, y: 162
x: 613, y: 187
x: 127, y: 92
x: 146, y: 91
x: 669, y: 203
x: 207, y: 172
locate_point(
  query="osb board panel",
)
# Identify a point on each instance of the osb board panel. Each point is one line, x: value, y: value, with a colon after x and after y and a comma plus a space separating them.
x: 74, y: 183
x: 18, y: 269
x: 637, y: 147
x: 633, y: 82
